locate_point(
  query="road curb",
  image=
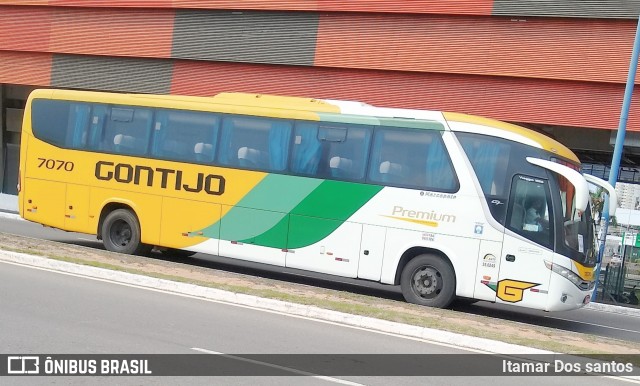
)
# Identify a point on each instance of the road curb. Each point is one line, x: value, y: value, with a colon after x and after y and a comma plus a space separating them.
x: 313, y: 312
x: 628, y: 311
x: 11, y: 216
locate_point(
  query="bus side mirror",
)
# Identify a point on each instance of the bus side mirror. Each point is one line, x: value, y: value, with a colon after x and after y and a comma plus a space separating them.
x: 611, y: 191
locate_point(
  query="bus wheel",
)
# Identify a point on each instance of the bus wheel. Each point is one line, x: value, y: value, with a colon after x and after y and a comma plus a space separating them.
x: 121, y: 233
x: 428, y: 280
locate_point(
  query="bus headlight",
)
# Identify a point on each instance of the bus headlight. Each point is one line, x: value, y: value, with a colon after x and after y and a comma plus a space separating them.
x: 569, y: 275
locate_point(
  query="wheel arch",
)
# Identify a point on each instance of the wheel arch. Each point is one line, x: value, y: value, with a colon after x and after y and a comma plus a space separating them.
x: 110, y: 207
x: 412, y: 252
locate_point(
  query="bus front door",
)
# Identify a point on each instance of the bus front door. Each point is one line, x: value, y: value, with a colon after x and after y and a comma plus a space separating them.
x: 524, y: 279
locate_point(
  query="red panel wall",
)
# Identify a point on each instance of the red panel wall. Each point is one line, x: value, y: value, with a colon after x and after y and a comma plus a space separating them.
x: 555, y: 71
x: 113, y: 3
x: 116, y: 32
x: 25, y: 68
x: 514, y: 99
x: 468, y: 7
x: 572, y: 49
x: 25, y: 28
x: 24, y: 2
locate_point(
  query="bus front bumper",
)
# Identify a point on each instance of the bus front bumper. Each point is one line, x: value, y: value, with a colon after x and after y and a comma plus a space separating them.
x: 565, y: 296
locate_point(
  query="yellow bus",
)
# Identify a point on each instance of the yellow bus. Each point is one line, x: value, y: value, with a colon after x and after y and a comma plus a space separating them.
x: 443, y: 204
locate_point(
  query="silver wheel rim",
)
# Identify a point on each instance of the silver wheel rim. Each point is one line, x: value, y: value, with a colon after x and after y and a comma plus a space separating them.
x: 427, y: 282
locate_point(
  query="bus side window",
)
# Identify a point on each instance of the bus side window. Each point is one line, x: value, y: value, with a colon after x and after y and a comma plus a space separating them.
x: 77, y: 125
x: 413, y: 159
x: 50, y: 121
x: 328, y: 150
x: 439, y: 168
x: 74, y: 125
x: 185, y: 135
x: 307, y: 149
x: 392, y: 155
x: 489, y: 157
x: 96, y: 125
x: 127, y: 130
x: 255, y: 143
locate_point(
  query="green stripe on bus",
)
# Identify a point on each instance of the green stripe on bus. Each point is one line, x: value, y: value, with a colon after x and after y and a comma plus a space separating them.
x: 317, y: 216
x: 296, y: 211
x: 275, y: 237
x: 324, y: 210
x: 346, y: 118
x: 246, y: 224
x: 279, y: 193
x: 382, y: 121
x: 336, y: 200
x: 276, y: 195
x: 412, y: 123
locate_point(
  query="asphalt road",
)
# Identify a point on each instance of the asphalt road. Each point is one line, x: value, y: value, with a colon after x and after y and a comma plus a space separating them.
x: 49, y: 312
x: 605, y: 324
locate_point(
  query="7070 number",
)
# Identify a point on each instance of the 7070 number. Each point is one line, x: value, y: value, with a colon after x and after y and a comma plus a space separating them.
x: 56, y: 164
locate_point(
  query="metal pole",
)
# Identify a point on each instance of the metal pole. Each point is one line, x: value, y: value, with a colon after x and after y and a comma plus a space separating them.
x: 617, y: 150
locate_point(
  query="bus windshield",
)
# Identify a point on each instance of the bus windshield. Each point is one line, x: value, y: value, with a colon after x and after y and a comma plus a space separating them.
x: 577, y: 232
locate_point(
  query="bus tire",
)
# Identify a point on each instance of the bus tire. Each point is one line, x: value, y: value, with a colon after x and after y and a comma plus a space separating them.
x: 121, y: 233
x: 428, y: 280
